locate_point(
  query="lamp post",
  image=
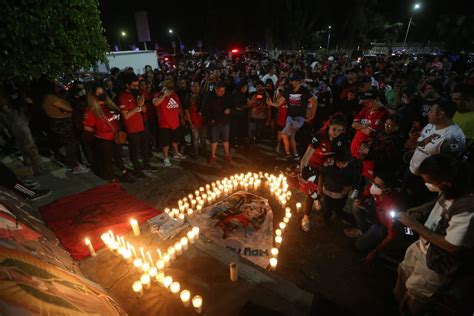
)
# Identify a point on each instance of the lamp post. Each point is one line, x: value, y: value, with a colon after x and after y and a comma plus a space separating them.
x: 171, y: 31
x: 329, y: 38
x: 416, y: 6
x: 122, y: 34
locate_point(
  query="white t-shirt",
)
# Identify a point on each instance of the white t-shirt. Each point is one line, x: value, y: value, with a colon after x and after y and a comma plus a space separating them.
x: 268, y: 76
x: 450, y: 139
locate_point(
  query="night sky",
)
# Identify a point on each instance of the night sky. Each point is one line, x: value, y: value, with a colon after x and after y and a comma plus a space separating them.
x: 241, y: 22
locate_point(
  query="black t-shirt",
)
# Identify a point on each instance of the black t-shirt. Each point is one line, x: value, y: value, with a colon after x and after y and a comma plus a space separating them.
x: 335, y: 179
x: 297, y: 101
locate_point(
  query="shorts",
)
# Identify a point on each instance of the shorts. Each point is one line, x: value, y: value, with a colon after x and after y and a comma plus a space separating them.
x: 168, y: 135
x: 221, y: 132
x: 293, y: 124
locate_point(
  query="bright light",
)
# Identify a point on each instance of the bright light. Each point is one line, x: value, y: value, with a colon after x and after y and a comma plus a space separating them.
x: 416, y: 6
x: 329, y: 27
x: 392, y: 214
x: 123, y: 33
x: 235, y: 50
x: 170, y: 31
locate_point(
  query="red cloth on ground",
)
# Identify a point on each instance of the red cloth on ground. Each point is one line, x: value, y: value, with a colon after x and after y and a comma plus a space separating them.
x: 91, y: 213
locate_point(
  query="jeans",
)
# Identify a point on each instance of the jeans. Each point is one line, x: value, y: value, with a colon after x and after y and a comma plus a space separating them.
x: 137, y: 143
x: 106, y: 152
x: 256, y: 129
x: 373, y: 231
x: 198, y: 136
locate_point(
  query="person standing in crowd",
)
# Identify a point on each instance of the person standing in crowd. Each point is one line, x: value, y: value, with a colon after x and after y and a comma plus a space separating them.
x: 324, y: 144
x: 193, y: 113
x: 444, y: 252
x: 373, y: 215
x: 298, y: 99
x: 170, y: 118
x: 279, y: 103
x: 61, y: 125
x: 239, y: 114
x: 102, y: 119
x: 132, y: 104
x: 368, y: 122
x: 216, y: 111
x: 463, y: 96
x: 151, y: 124
x: 258, y: 116
x: 440, y: 135
x: 270, y: 76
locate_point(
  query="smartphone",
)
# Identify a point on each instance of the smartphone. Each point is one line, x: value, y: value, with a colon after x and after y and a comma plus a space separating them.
x: 259, y: 96
x: 408, y: 231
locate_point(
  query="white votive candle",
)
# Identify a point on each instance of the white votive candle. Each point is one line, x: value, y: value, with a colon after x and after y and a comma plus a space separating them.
x: 138, y: 288
x: 191, y: 236
x: 179, y: 248
x: 273, y: 263
x: 175, y: 287
x: 185, y: 297
x: 195, y: 230
x: 274, y: 252
x: 197, y: 303
x: 172, y: 253
x: 137, y: 263
x: 135, y: 227
x: 278, y: 241
x: 145, y: 280
x: 167, y: 281
x: 184, y: 243
x: 160, y: 264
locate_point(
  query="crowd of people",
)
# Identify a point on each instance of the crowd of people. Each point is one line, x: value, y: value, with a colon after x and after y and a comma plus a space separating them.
x: 393, y: 134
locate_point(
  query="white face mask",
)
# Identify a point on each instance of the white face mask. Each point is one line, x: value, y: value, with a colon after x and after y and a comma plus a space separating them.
x: 432, y: 187
x: 375, y: 190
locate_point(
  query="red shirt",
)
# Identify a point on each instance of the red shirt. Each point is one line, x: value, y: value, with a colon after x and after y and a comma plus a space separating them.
x: 104, y: 127
x: 168, y: 111
x: 128, y: 102
x: 194, y: 115
x: 374, y: 119
x: 383, y: 206
x: 282, y: 114
x: 150, y: 114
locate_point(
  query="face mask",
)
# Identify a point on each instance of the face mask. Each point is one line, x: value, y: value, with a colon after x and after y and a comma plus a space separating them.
x: 375, y: 190
x: 101, y: 97
x: 432, y: 187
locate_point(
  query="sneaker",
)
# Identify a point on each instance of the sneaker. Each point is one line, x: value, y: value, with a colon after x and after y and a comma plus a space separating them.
x: 127, y: 177
x: 32, y: 183
x: 296, y: 158
x: 167, y: 162
x: 352, y: 232
x: 39, y: 194
x: 211, y: 160
x: 80, y: 169
x: 179, y: 156
x: 289, y: 156
x: 305, y: 223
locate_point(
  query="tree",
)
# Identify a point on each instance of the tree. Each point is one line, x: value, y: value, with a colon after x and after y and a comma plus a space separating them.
x: 49, y: 37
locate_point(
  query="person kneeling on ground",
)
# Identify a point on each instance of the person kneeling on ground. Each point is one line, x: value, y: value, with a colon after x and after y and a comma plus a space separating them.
x: 444, y: 251
x: 373, y: 216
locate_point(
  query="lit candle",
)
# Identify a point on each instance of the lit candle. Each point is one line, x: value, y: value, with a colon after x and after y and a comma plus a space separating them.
x: 197, y: 303
x: 196, y: 193
x: 207, y: 187
x: 298, y: 207
x: 115, y: 247
x: 195, y: 230
x: 172, y: 252
x: 199, y: 208
x: 160, y: 276
x: 167, y: 259
x: 234, y: 274
x: 286, y: 220
x: 132, y: 248
x: 282, y: 226
x: 137, y: 263
x: 191, y: 236
x: 278, y: 241
x: 274, y: 251
x: 145, y: 280
x: 184, y: 243
x: 278, y: 232
x: 273, y: 263
x: 181, y: 217
x: 288, y: 214
x: 91, y: 248
x: 167, y: 210
x: 190, y: 197
x: 175, y: 287
x: 127, y: 255
x: 190, y: 211
x: 193, y: 203
x: 179, y: 248
x: 145, y: 267
x: 167, y: 281
x: 152, y: 273
x: 135, y: 228
x: 159, y: 252
x: 138, y: 288
x: 160, y: 264
x: 185, y: 297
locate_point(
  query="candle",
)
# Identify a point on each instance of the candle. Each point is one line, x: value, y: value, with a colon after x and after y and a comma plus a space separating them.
x: 288, y: 215
x: 191, y: 236
x: 298, y: 207
x: 197, y: 303
x: 115, y: 247
x: 152, y: 273
x: 160, y: 276
x: 142, y: 253
x: 175, y: 287
x: 138, y: 288
x: 185, y: 297
x: 181, y: 217
x: 190, y: 197
x: 137, y: 263
x: 145, y: 280
x: 184, y: 243
x: 199, y: 208
x: 193, y: 203
x: 91, y: 248
x: 274, y: 252
x: 167, y: 281
x: 207, y: 187
x: 135, y: 228
x: 127, y: 255
x: 167, y: 210
x: 234, y: 274
x: 195, y: 230
x: 179, y: 248
x: 132, y: 248
x: 167, y: 259
x: 160, y: 264
x: 145, y: 267
x: 190, y: 211
x: 159, y: 252
x: 278, y: 241
x: 196, y: 193
x: 286, y: 220
x: 278, y: 232
x: 282, y: 226
x: 273, y: 263
x: 172, y: 252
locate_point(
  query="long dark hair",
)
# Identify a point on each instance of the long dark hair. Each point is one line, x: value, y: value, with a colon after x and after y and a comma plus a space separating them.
x: 335, y: 119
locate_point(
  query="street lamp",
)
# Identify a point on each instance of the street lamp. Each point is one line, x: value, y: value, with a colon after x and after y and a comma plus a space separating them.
x: 122, y: 34
x: 171, y: 31
x: 416, y: 7
x: 329, y: 38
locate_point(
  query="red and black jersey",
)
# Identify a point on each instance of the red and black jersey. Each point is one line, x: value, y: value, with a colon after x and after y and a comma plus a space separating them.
x: 324, y: 148
x: 104, y: 126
